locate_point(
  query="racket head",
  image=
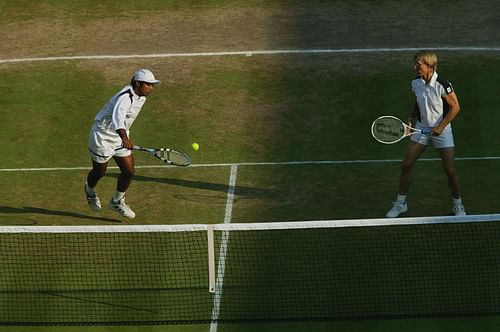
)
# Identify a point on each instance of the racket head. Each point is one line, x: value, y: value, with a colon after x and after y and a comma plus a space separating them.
x: 389, y: 129
x: 173, y: 157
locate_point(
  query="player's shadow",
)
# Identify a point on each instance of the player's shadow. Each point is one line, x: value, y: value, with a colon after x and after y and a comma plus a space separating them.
x: 239, y: 190
x: 36, y: 210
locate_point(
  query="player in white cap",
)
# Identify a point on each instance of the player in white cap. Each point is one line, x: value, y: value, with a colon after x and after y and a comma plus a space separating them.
x: 109, y: 138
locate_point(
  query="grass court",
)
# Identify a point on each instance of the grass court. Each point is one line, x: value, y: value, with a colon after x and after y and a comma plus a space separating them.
x: 296, y: 125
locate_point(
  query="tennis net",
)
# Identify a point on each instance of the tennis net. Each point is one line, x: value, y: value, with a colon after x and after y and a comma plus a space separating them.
x: 345, y: 269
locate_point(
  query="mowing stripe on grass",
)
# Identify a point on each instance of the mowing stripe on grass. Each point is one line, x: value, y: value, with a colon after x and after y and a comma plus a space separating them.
x: 253, y: 52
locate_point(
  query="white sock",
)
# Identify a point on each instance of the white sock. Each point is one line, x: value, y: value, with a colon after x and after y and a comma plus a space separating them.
x: 118, y: 196
x: 457, y: 200
x: 89, y: 190
x: 401, y: 198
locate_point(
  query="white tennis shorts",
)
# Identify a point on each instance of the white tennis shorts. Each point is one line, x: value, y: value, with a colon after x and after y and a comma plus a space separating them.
x: 445, y: 140
x: 105, y: 144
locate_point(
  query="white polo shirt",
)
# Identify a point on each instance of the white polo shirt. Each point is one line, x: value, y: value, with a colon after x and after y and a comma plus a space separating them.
x: 430, y: 99
x: 121, y: 110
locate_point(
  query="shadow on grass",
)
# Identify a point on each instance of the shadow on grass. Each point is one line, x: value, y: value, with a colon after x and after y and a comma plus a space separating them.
x: 36, y: 210
x: 239, y: 190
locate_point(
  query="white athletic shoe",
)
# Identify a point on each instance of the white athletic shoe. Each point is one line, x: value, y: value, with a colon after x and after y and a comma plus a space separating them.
x: 397, y: 209
x: 458, y: 209
x: 93, y: 200
x: 121, y: 208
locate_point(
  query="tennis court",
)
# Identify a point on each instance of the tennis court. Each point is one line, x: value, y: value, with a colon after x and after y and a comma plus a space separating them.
x: 283, y: 120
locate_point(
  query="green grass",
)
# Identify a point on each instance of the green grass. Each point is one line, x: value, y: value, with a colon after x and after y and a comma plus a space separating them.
x: 239, y: 112
x: 83, y: 11
x: 247, y: 109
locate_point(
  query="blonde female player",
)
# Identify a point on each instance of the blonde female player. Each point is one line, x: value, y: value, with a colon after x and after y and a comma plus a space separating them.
x: 109, y: 138
x: 435, y: 107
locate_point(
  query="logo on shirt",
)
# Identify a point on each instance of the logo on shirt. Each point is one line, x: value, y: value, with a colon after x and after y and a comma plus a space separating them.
x: 449, y: 89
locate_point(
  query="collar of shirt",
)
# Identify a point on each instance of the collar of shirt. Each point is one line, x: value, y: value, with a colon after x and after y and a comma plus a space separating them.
x: 135, y: 95
x: 432, y: 82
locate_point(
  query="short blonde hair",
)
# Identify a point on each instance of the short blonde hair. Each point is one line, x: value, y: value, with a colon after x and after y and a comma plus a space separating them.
x: 428, y: 57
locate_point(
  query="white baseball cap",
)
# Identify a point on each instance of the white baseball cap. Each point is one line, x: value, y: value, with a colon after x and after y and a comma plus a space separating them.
x: 145, y: 75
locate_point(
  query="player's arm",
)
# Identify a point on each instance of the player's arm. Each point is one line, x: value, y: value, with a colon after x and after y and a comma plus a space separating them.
x: 413, y: 114
x: 454, y: 108
x: 119, y: 118
x: 126, y: 142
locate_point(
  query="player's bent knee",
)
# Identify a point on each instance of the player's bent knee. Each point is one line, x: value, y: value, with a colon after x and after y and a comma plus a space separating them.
x: 406, y: 167
x: 128, y: 173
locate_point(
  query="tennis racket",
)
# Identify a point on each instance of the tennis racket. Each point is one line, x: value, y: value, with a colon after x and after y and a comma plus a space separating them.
x: 169, y: 156
x: 388, y: 129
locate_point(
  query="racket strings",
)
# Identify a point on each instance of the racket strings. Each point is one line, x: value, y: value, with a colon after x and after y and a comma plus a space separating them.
x: 164, y: 154
x: 174, y: 157
x: 388, y: 129
x: 179, y: 158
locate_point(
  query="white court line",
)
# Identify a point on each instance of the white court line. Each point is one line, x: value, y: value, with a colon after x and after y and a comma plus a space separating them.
x: 270, y: 163
x: 230, y: 194
x: 254, y: 52
x: 221, y: 266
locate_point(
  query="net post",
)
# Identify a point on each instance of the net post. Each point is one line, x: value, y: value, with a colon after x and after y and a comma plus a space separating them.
x: 211, y: 259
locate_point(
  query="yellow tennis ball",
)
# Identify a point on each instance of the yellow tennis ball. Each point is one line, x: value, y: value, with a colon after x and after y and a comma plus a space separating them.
x: 195, y: 146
